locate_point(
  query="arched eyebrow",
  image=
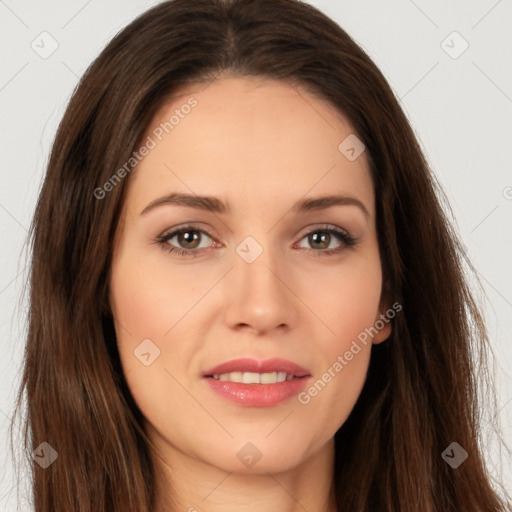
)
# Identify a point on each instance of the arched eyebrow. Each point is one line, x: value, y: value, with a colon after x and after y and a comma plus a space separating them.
x: 324, y: 202
x: 215, y: 205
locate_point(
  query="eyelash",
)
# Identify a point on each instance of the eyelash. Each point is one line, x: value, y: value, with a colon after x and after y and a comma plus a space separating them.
x: 343, y: 236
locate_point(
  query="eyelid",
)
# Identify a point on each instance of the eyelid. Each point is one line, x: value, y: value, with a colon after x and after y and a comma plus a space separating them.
x: 311, y: 228
x: 192, y: 227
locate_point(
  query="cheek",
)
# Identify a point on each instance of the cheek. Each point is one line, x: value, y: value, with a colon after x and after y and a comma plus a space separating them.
x: 146, y: 309
x: 348, y: 307
x: 142, y: 320
x: 346, y: 301
x: 149, y: 299
x: 331, y: 397
x: 150, y: 305
x: 339, y: 379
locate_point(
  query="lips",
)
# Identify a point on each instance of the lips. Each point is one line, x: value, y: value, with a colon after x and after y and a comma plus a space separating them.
x: 253, y: 383
x: 247, y: 365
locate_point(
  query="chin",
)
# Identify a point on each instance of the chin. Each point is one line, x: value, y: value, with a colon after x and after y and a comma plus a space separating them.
x: 261, y: 457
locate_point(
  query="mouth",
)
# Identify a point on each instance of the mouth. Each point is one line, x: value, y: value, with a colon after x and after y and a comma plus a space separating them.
x: 253, y: 369
x: 255, y: 378
x: 253, y: 383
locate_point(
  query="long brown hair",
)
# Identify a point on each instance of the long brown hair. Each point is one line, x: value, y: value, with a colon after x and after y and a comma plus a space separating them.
x: 422, y: 388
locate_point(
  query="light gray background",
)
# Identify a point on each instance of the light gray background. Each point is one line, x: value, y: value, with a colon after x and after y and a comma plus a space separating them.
x: 460, y: 108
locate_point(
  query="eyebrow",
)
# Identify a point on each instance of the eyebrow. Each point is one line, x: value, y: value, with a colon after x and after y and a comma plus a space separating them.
x: 215, y: 205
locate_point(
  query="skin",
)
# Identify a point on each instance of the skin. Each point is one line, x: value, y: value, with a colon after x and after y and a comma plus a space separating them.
x: 259, y: 146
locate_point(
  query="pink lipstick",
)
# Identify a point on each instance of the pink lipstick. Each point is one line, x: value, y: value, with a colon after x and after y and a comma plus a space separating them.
x: 253, y: 383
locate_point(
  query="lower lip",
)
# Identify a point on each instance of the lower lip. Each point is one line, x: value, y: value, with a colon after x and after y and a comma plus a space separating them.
x: 257, y: 395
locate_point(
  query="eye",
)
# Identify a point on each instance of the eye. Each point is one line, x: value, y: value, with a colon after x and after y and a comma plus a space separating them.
x: 185, y: 241
x: 328, y: 240
x: 188, y: 241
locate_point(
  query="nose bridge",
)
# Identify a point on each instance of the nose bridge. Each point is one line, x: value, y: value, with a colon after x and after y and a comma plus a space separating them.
x: 257, y: 295
x: 256, y: 268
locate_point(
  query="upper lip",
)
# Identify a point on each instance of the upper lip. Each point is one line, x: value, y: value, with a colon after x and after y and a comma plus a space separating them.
x: 256, y: 366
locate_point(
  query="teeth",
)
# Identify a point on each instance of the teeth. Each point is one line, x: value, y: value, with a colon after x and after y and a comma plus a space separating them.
x: 268, y: 378
x: 254, y: 378
x: 251, y: 378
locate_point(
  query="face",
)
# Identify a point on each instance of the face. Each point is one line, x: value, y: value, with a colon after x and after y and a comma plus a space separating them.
x: 261, y: 270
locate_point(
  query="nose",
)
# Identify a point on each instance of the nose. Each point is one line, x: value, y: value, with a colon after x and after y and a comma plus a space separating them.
x: 260, y: 296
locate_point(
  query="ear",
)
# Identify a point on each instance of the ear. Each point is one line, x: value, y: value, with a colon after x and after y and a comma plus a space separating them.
x: 382, y: 323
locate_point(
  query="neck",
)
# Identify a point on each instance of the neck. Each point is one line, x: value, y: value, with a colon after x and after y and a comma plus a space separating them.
x: 186, y: 484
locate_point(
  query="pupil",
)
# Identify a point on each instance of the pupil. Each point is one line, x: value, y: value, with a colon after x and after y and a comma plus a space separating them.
x: 188, y: 239
x: 321, y: 239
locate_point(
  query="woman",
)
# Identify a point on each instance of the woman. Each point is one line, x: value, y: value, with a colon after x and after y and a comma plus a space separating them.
x: 244, y: 292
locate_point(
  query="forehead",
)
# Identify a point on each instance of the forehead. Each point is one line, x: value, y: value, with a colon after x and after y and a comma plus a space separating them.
x: 264, y: 137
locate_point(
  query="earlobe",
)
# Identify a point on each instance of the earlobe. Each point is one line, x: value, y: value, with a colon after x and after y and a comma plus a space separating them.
x: 382, y: 324
x: 383, y: 333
